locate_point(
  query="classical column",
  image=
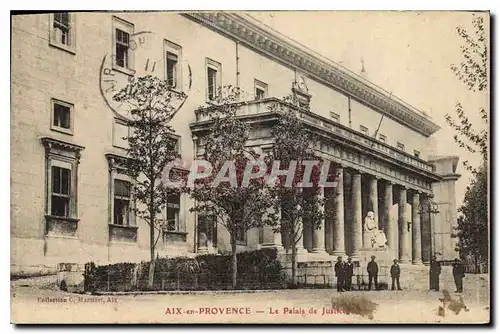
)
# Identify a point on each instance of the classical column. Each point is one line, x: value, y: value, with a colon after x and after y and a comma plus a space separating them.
x: 390, y: 224
x: 426, y: 231
x: 373, y: 199
x: 270, y: 238
x: 329, y: 217
x: 338, y: 220
x: 319, y: 233
x: 404, y: 254
x: 416, y: 235
x: 357, y: 218
x: 307, y: 235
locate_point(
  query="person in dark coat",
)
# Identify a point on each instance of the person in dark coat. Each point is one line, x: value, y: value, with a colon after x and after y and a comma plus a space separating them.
x: 348, y: 273
x: 339, y: 273
x: 372, y: 269
x: 395, y: 272
x: 434, y: 272
x: 458, y: 275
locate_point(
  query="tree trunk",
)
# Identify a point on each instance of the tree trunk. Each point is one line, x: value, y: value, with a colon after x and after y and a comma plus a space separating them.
x: 152, y: 255
x: 234, y: 261
x: 294, y: 264
x: 151, y: 274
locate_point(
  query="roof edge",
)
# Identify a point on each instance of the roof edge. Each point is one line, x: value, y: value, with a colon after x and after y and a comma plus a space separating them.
x: 257, y: 35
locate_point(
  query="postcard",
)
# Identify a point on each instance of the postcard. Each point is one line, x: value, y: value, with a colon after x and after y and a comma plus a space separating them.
x: 319, y: 167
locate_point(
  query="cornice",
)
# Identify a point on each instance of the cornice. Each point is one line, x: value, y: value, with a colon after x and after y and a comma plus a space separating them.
x: 116, y: 161
x: 255, y: 35
x: 50, y: 143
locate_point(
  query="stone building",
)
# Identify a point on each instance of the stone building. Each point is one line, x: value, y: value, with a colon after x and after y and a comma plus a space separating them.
x: 69, y: 195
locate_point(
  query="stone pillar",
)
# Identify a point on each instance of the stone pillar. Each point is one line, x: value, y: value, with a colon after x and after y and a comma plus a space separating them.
x: 319, y: 233
x: 307, y: 235
x: 390, y: 224
x: 270, y: 238
x: 357, y: 218
x: 404, y: 254
x: 338, y: 220
x: 373, y: 199
x: 329, y: 209
x: 425, y: 222
x: 416, y: 249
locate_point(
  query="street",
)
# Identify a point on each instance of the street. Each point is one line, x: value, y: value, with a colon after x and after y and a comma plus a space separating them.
x: 33, y: 302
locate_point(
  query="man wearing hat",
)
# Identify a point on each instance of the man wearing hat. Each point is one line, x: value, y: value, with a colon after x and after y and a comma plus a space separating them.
x: 348, y: 273
x: 339, y: 273
x: 458, y: 275
x: 395, y: 272
x: 372, y: 269
x: 434, y: 272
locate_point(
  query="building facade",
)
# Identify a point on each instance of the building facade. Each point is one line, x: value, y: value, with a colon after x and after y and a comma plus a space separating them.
x: 70, y: 199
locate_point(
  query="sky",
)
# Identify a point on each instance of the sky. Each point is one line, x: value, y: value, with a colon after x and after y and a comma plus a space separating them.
x: 408, y: 53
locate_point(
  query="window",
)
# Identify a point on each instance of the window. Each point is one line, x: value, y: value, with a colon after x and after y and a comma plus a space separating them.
x: 61, y: 170
x: 172, y: 69
x: 335, y: 117
x: 121, y: 133
x: 122, y: 48
x: 212, y: 83
x: 416, y: 153
x: 382, y: 138
x: 62, y: 116
x: 121, y: 202
x: 122, y: 51
x: 121, y: 215
x: 207, y: 231
x: 259, y: 93
x: 61, y: 183
x: 61, y: 24
x: 213, y: 79
x: 176, y: 143
x: 62, y: 31
x: 241, y: 236
x: 260, y: 89
x: 172, y: 212
x: 400, y: 146
x: 173, y: 54
x: 363, y: 129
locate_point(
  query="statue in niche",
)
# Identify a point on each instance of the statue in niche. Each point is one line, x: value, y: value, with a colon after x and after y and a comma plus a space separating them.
x: 376, y: 237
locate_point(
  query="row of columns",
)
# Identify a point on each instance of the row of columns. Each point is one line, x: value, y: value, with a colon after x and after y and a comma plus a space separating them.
x: 405, y: 238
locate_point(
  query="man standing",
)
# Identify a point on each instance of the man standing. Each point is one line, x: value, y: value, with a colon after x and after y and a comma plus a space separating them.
x: 372, y: 269
x: 395, y: 272
x: 458, y: 275
x: 348, y: 273
x: 339, y: 273
x: 434, y: 272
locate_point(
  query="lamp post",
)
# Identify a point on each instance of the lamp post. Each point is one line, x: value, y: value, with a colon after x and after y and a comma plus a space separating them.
x: 427, y: 207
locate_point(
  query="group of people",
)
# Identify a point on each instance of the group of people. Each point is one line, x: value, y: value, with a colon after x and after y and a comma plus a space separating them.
x: 458, y: 274
x: 344, y: 271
